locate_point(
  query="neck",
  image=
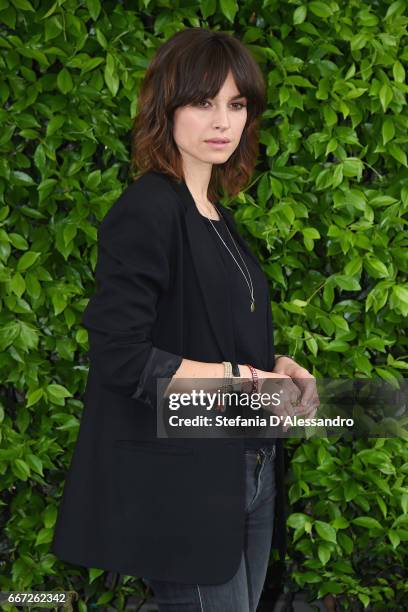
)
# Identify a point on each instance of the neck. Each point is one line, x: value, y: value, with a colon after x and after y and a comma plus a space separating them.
x: 197, y: 179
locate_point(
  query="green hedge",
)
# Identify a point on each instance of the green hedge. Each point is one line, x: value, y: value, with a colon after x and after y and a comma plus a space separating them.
x: 326, y: 213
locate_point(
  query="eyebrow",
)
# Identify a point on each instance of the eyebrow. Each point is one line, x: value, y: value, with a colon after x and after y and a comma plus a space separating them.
x: 234, y: 97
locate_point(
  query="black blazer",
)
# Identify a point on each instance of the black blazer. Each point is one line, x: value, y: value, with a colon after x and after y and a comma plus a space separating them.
x: 133, y: 503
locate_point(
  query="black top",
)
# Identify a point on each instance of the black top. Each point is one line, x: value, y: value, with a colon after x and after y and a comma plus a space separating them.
x: 249, y: 327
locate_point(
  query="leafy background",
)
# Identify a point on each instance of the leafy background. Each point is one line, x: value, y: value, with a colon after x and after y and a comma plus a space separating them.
x: 326, y: 213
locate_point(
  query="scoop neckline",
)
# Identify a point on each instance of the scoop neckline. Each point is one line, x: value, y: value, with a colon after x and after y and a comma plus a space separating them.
x: 209, y: 219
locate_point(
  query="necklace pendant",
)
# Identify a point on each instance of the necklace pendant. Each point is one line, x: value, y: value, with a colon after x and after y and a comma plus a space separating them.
x: 252, y: 306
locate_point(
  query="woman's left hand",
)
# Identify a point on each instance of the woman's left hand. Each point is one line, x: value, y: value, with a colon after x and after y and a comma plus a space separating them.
x: 309, y: 400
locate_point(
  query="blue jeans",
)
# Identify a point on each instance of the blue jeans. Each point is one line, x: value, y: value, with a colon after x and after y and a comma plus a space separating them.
x: 243, y: 591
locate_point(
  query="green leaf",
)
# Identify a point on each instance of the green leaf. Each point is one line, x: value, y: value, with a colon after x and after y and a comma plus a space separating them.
x: 54, y: 125
x: 22, y: 178
x: 28, y: 336
x: 388, y: 130
x: 325, y: 531
x: 27, y: 260
x: 20, y: 469
x: 18, y: 241
x: 381, y: 505
x: 320, y: 9
x: 345, y: 542
x: 338, y: 346
x: 50, y: 516
x: 347, y: 283
x: 64, y: 81
x: 394, y: 538
x: 399, y: 299
x: 263, y: 189
x: 359, y: 41
x: 58, y: 391
x: 208, y: 7
x: 398, y: 72
x: 94, y: 573
x: 365, y: 600
x: 299, y: 15
x: 299, y: 81
x: 385, y: 96
x: 23, y: 5
x: 353, y: 267
x: 312, y: 346
x: 93, y: 180
x: 386, y: 375
x: 323, y: 552
x: 363, y: 364
x: 340, y: 522
x: 402, y: 534
x: 382, y: 200
x: 404, y: 502
x: 328, y: 293
x: 17, y: 284
x: 229, y: 8
x: 311, y: 232
x: 44, y: 536
x: 352, y: 166
x: 34, y: 396
x: 110, y: 74
x: 375, y: 267
x: 35, y: 463
x: 397, y: 153
x: 368, y: 522
x: 94, y: 8
x: 330, y: 116
x: 104, y: 598
x: 330, y: 587
x: 297, y: 519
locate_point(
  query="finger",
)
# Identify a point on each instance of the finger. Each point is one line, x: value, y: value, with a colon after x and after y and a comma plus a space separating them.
x: 313, y: 403
x: 311, y: 413
x: 309, y: 396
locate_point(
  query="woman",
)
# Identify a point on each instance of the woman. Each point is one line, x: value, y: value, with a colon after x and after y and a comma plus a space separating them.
x: 180, y: 296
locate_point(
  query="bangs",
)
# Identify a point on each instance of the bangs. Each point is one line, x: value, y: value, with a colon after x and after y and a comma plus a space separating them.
x: 202, y: 70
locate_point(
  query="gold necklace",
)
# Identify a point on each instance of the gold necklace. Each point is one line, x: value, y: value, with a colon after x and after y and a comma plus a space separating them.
x: 250, y: 285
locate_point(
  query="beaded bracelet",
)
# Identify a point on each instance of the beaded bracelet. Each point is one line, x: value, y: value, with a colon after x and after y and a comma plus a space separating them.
x: 254, y: 378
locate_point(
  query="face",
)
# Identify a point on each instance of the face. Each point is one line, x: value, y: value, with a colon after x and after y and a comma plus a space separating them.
x: 222, y: 117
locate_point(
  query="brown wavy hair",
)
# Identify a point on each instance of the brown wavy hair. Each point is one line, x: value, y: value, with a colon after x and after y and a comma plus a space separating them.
x: 190, y: 66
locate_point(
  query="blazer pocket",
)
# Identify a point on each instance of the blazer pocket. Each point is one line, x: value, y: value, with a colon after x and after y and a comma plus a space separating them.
x: 153, y: 447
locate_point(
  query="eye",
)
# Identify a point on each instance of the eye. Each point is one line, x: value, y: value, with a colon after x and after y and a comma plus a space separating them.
x: 236, y: 105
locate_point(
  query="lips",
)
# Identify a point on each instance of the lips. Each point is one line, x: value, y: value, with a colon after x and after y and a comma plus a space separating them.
x: 219, y: 140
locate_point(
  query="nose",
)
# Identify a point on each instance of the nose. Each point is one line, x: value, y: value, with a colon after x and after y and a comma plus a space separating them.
x: 221, y: 118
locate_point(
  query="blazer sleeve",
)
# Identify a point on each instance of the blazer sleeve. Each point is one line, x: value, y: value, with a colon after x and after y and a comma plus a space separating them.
x: 133, y: 268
